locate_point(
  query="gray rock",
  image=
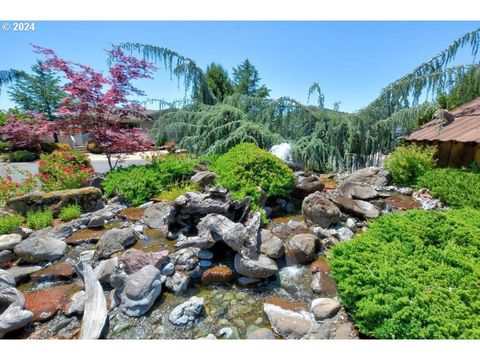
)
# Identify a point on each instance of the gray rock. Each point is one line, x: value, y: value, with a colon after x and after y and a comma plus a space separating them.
x: 105, y: 269
x: 203, y: 178
x: 344, y: 234
x: 187, y: 313
x: 99, y: 219
x: 306, y: 185
x: 351, y: 224
x: 115, y: 240
x: 320, y: 211
x: 158, y: 216
x: 21, y: 273
x: 371, y: 176
x: 258, y: 267
x: 300, y: 249
x: 287, y: 323
x: 140, y: 291
x: 8, y: 242
x: 23, y: 232
x: 178, y: 283
x: 6, y: 256
x: 228, y: 333
x: 168, y: 269
x: 321, y: 232
x: 205, y: 263
x: 355, y: 207
x: 357, y: 191
x: 185, y: 259
x: 37, y: 249
x: 247, y: 281
x: 77, y: 304
x: 192, y: 203
x: 324, y: 308
x: 271, y: 245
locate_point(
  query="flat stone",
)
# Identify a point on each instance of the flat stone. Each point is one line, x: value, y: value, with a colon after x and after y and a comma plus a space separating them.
x: 260, y: 334
x: 287, y: 323
x: 324, y: 308
x: 21, y: 273
x: 8, y: 242
x: 371, y: 176
x: 259, y: 267
x: 60, y: 271
x: 115, y: 240
x: 357, y: 191
x: 36, y: 249
x: 45, y: 303
x: 85, y: 235
x: 217, y: 275
x: 356, y: 207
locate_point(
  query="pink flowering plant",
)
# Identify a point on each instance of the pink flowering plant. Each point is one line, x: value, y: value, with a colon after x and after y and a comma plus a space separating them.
x: 62, y: 170
x: 9, y: 188
x: 98, y: 103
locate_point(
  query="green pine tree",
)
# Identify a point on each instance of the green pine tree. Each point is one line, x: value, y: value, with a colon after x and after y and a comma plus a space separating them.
x: 218, y: 81
x: 246, y: 80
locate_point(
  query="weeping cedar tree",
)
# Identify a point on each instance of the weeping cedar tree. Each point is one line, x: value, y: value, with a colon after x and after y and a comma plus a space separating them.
x: 322, y: 139
x: 8, y: 76
x: 315, y: 87
x: 246, y: 80
x: 38, y: 92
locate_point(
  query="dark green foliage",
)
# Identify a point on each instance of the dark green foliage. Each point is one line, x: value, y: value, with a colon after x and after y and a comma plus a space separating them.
x: 160, y: 140
x: 70, y: 212
x: 22, y: 156
x: 40, y: 219
x: 408, y: 163
x: 9, y: 222
x: 321, y: 98
x: 218, y: 81
x: 466, y: 89
x: 4, y: 145
x: 139, y: 183
x: 246, y: 167
x: 457, y: 188
x: 38, y: 92
x: 413, y: 275
x: 8, y: 76
x: 246, y: 81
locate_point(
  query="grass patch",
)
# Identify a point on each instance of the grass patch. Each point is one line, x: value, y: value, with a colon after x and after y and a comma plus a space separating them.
x: 40, y: 219
x: 70, y: 212
x: 9, y: 222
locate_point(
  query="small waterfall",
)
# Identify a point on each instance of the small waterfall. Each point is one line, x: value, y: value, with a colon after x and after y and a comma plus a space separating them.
x: 282, y: 151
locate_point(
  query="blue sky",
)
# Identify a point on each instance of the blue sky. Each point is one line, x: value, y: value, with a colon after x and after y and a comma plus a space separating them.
x: 352, y: 61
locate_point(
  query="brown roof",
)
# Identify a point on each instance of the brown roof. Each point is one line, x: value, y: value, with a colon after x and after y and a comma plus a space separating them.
x: 464, y: 128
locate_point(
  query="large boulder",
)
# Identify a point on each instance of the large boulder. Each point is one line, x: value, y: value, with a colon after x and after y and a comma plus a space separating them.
x: 306, y: 185
x: 192, y: 203
x: 36, y: 249
x: 158, y: 216
x: 318, y: 210
x: 324, y: 308
x: 89, y: 199
x: 371, y: 175
x: 187, y: 313
x: 356, y: 207
x: 258, y: 267
x: 357, y: 191
x: 287, y: 323
x: 300, y: 249
x: 115, y: 240
x: 140, y: 291
x: 203, y: 178
x: 8, y: 242
x: 134, y: 259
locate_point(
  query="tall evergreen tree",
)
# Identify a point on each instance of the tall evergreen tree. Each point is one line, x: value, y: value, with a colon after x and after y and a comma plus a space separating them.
x: 246, y: 80
x: 218, y: 81
x: 38, y: 92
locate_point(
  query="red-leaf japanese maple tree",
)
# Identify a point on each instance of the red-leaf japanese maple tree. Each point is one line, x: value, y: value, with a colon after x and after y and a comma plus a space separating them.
x: 96, y: 103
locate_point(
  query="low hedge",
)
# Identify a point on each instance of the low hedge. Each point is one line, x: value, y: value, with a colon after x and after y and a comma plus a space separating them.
x: 413, y: 275
x: 22, y: 156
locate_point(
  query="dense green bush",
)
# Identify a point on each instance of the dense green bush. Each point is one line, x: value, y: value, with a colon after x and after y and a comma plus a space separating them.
x: 10, y: 222
x: 139, y: 183
x: 39, y: 219
x: 457, y: 188
x: 22, y: 156
x: 408, y: 163
x: 70, y: 212
x: 413, y: 274
x: 4, y: 145
x: 246, y: 167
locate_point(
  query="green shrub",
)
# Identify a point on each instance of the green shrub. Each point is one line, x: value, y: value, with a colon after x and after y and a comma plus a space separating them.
x: 4, y: 145
x: 413, y: 274
x: 70, y: 212
x: 48, y: 147
x: 246, y: 167
x: 138, y: 183
x: 170, y: 193
x: 457, y: 188
x: 10, y: 222
x: 39, y: 219
x: 160, y: 140
x: 22, y: 156
x: 408, y: 163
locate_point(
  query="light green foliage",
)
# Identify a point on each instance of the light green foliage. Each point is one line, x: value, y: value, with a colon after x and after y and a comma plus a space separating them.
x: 175, y: 190
x: 408, y: 163
x: 40, y: 219
x: 139, y: 183
x: 246, y: 167
x: 413, y: 275
x: 457, y: 188
x: 10, y: 222
x: 70, y: 212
